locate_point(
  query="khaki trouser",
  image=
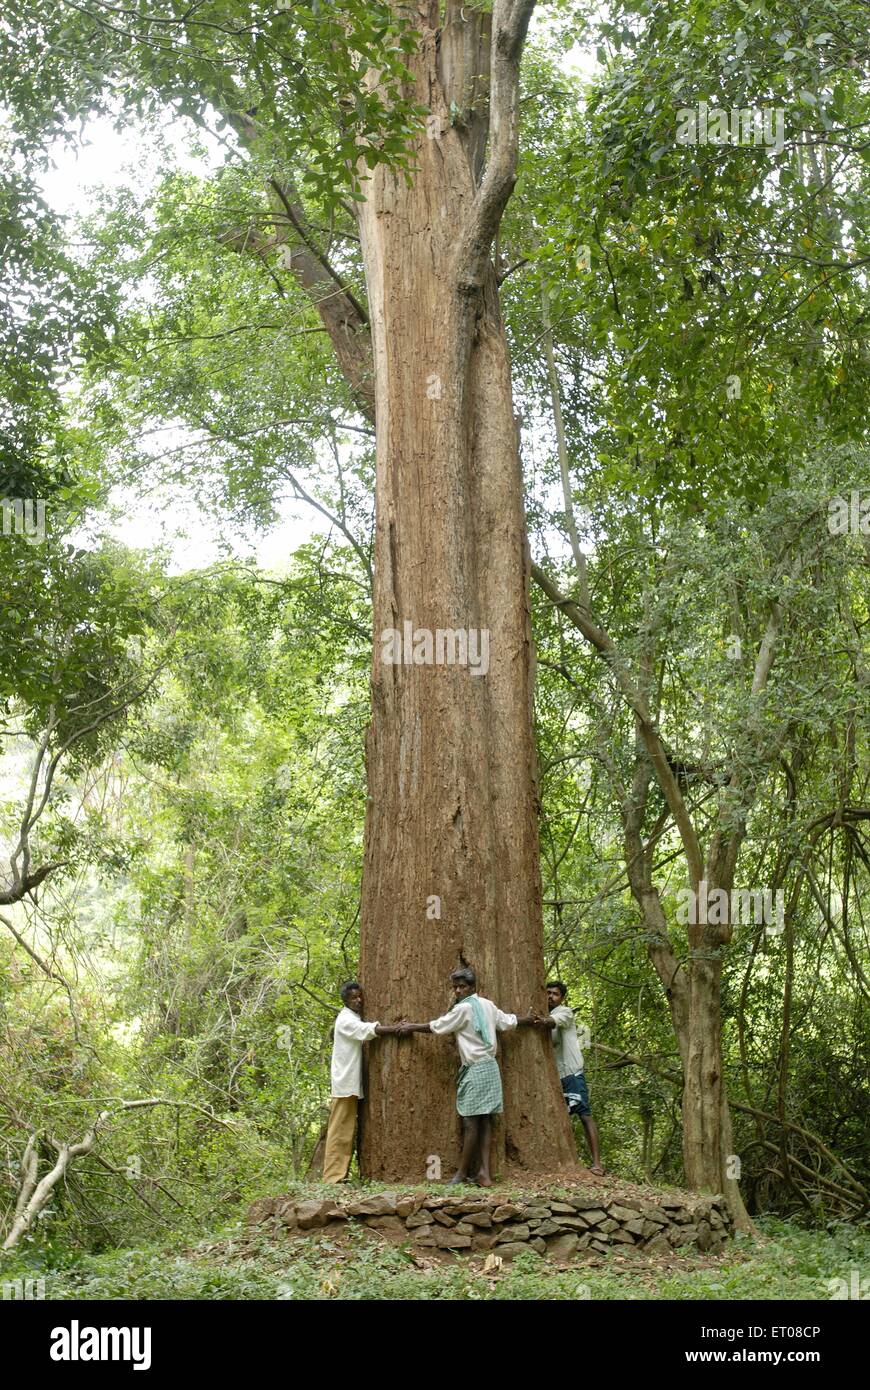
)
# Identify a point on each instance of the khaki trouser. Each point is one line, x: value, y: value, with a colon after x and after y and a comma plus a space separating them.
x: 339, y: 1138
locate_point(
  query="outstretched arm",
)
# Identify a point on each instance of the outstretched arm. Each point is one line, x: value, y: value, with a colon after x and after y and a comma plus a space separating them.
x: 504, y: 1021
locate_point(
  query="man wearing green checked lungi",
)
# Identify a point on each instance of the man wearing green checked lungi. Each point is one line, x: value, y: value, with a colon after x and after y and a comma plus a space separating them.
x: 475, y: 1021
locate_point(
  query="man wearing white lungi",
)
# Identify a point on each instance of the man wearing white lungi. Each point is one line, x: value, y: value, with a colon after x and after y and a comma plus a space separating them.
x: 475, y: 1021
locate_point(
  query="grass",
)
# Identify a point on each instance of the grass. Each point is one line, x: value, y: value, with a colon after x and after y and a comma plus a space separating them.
x: 786, y: 1262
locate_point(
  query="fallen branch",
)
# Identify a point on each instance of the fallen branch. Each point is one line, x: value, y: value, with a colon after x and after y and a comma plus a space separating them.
x: 34, y: 1196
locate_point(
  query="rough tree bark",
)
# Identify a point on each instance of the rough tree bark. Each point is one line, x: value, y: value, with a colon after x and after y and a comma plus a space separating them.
x: 451, y: 871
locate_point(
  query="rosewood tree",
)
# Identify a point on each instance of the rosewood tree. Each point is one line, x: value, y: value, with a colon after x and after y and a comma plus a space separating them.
x: 451, y: 870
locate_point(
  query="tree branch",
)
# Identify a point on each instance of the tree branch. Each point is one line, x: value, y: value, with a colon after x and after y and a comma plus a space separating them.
x: 583, y: 620
x: 510, y: 23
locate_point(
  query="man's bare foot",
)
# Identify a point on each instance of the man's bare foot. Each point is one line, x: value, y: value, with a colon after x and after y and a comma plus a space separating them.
x: 457, y: 1178
x: 597, y: 1168
x: 484, y: 1180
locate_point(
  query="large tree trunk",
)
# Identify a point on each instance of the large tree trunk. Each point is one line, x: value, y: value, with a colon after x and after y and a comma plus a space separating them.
x: 451, y: 871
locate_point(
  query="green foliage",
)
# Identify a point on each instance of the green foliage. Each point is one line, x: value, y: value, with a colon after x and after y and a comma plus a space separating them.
x: 785, y: 1264
x: 207, y: 811
x: 708, y: 298
x: 300, y: 68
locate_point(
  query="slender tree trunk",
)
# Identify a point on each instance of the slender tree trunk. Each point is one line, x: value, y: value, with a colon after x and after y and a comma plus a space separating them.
x: 693, y: 991
x: 708, y: 1149
x: 451, y: 869
x: 702, y: 1087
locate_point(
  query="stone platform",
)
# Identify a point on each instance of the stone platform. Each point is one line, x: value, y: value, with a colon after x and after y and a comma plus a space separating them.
x: 559, y: 1226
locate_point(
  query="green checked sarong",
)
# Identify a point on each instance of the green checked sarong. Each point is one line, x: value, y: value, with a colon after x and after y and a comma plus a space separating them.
x: 479, y: 1089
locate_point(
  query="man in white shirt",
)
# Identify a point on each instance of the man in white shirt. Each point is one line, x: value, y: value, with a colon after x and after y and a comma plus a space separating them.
x: 475, y: 1021
x: 569, y: 1060
x: 346, y: 1087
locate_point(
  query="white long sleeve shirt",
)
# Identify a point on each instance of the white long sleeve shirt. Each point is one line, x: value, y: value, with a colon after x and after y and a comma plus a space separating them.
x: 460, y: 1021
x: 348, y: 1037
x: 569, y: 1058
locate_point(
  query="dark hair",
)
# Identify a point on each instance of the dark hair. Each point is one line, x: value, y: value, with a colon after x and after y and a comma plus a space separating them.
x: 557, y: 984
x: 466, y: 975
x: 347, y: 987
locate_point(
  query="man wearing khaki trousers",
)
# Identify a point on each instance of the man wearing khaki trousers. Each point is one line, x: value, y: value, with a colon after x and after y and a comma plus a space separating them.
x: 346, y: 1079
